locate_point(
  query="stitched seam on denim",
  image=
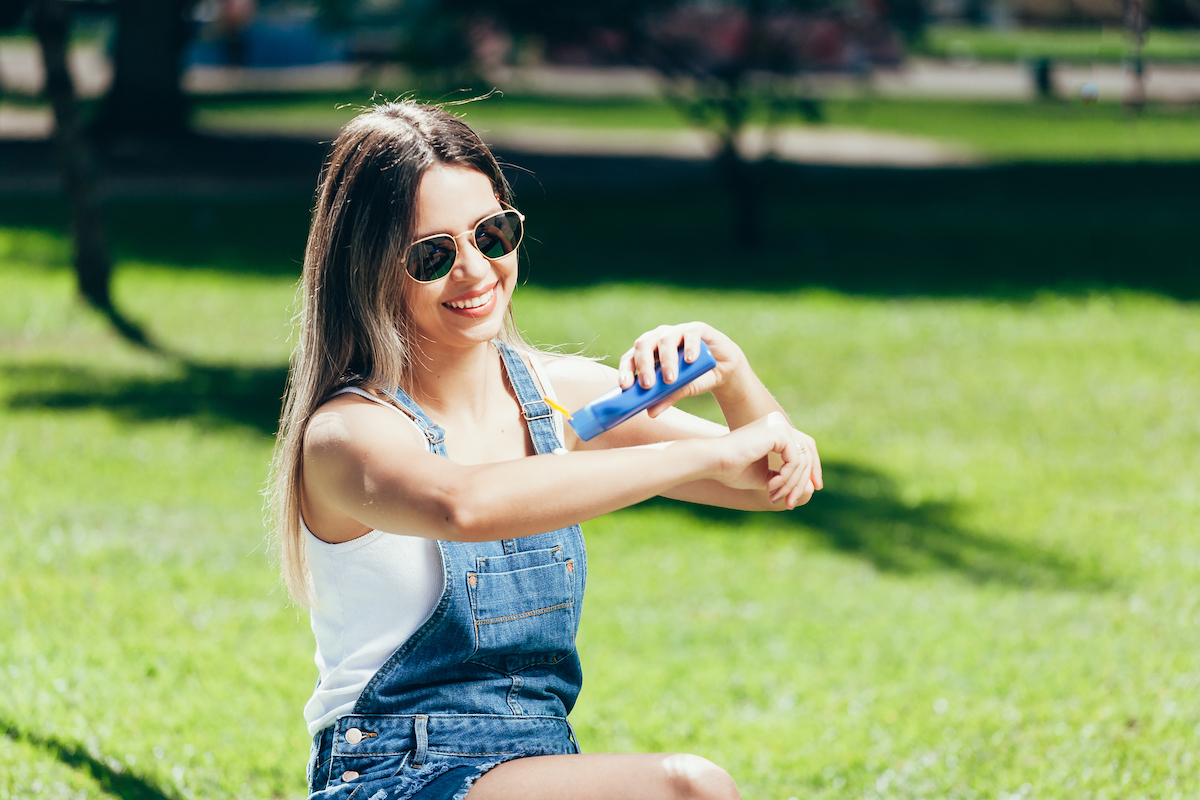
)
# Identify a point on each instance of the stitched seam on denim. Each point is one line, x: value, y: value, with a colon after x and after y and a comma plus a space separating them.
x: 403, y: 764
x: 554, y: 549
x: 418, y: 636
x: 453, y: 716
x: 541, y: 429
x: 513, y: 696
x: 493, y: 620
x: 454, y: 753
x: 421, y: 739
x: 522, y: 668
x: 329, y: 764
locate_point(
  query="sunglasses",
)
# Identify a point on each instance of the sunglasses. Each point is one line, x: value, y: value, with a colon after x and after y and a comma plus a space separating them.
x: 430, y: 259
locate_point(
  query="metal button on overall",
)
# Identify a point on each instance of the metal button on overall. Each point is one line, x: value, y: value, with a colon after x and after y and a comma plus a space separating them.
x: 490, y: 675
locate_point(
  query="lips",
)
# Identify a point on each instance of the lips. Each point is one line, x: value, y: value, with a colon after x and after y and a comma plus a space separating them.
x: 475, y: 303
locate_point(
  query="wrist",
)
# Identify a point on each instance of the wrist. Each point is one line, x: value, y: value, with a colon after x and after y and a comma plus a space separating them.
x: 695, y: 459
x: 739, y: 388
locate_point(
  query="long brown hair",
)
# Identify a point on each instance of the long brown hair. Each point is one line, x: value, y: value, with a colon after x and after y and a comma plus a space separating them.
x: 354, y: 327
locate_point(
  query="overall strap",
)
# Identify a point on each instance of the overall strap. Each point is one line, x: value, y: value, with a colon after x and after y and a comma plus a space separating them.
x: 434, y: 434
x: 538, y: 414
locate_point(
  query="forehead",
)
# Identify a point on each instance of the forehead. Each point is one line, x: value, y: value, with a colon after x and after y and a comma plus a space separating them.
x: 452, y: 199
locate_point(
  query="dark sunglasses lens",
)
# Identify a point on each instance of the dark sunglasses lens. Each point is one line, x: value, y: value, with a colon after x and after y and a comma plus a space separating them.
x: 431, y: 259
x: 498, y: 236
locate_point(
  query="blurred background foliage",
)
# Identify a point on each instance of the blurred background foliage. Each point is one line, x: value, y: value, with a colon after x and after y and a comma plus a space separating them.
x: 971, y: 277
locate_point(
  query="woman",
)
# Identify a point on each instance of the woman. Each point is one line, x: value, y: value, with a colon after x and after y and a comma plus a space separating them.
x: 444, y: 613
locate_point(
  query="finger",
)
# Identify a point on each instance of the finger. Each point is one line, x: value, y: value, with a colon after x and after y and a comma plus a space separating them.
x: 801, y: 495
x: 643, y: 359
x: 691, y: 343
x: 788, y: 479
x: 818, y: 479
x: 668, y: 401
x: 800, y: 472
x: 795, y: 477
x: 668, y: 355
x: 625, y: 369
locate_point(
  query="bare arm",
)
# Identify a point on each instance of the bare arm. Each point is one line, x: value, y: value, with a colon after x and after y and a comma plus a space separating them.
x: 741, y: 395
x: 366, y: 463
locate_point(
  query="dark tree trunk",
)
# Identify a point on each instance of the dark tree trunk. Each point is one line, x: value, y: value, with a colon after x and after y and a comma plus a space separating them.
x: 740, y: 182
x: 733, y: 107
x: 93, y: 266
x: 146, y: 98
x: 1134, y: 97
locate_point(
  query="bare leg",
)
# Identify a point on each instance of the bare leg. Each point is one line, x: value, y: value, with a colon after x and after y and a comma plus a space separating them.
x: 605, y: 776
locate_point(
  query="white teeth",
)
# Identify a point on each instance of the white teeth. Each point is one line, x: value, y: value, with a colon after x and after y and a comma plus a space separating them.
x: 474, y: 302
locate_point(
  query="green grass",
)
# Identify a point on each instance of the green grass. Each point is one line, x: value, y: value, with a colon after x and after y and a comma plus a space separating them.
x: 995, y: 595
x: 1081, y: 45
x: 1036, y: 132
x: 995, y: 131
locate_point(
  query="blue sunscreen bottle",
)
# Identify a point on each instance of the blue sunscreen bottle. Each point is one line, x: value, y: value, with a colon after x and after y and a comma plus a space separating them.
x: 612, y: 408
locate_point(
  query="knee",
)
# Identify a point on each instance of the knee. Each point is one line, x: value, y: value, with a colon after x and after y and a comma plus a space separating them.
x: 695, y: 778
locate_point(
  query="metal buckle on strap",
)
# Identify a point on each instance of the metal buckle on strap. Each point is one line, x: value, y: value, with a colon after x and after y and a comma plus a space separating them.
x: 529, y: 416
x: 435, y: 435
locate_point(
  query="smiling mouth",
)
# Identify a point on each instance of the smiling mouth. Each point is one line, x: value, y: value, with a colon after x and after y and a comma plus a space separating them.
x: 474, y: 302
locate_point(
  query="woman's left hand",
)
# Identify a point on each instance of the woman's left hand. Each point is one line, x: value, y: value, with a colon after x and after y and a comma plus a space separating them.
x: 662, y: 345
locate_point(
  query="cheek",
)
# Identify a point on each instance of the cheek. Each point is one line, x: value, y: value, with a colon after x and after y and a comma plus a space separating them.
x: 508, y: 268
x: 418, y: 305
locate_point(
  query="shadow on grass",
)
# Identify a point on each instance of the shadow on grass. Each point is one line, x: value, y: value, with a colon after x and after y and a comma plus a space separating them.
x: 1005, y: 232
x: 1002, y: 231
x: 112, y: 776
x: 217, y: 395
x: 862, y: 512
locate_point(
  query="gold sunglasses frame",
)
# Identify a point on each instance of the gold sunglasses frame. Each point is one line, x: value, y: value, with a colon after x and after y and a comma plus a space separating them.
x: 454, y: 238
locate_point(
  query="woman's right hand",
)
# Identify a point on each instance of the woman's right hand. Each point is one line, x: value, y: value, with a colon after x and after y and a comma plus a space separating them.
x: 743, y: 464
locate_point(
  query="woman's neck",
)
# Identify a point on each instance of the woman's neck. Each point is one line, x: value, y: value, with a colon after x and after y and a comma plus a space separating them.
x: 455, y: 381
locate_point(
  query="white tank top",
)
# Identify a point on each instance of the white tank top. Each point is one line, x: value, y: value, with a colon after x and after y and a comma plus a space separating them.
x: 372, y: 593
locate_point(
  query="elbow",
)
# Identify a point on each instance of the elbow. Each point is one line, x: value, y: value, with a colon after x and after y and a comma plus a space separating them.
x: 459, y: 524
x: 461, y: 517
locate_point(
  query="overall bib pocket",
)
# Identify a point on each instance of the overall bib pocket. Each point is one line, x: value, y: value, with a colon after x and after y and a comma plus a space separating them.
x: 524, y: 609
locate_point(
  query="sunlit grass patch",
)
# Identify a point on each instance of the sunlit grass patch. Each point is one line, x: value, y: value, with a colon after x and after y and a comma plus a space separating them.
x: 997, y: 588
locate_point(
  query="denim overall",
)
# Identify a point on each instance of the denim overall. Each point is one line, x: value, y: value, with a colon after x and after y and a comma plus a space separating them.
x: 491, y: 674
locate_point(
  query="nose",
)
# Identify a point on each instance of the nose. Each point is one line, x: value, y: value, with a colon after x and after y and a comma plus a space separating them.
x: 469, y: 261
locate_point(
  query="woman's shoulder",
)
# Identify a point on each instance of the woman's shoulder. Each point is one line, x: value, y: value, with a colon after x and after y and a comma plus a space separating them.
x: 356, y: 419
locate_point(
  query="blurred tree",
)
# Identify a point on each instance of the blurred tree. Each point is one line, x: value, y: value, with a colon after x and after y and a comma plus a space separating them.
x: 431, y: 40
x: 1133, y: 13
x: 147, y: 98
x: 51, y: 22
x: 724, y: 63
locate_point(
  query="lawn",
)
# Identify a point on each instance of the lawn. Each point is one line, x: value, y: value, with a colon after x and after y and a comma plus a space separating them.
x: 1081, y: 45
x: 994, y: 130
x: 995, y: 596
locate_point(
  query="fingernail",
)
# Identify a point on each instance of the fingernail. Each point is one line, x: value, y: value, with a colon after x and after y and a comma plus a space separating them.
x: 689, y: 356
